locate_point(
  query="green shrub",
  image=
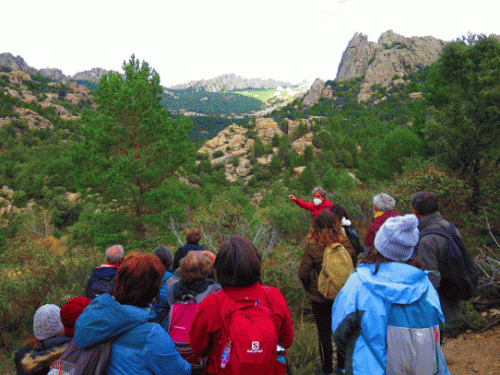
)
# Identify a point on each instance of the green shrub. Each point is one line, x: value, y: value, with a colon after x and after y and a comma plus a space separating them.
x: 299, y: 132
x: 287, y: 218
x: 235, y: 161
x: 275, y: 140
x: 3, y: 240
x: 201, y: 156
x: 454, y: 193
x: 64, y: 213
x: 205, y: 166
x: 34, y: 271
x: 19, y: 198
x: 217, y: 154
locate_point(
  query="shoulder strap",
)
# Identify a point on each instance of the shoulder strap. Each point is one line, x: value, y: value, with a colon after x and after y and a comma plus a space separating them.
x: 450, y: 233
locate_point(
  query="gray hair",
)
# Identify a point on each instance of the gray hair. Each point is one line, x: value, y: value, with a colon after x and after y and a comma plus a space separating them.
x: 319, y: 190
x: 114, y: 254
x: 165, y: 255
x: 384, y: 202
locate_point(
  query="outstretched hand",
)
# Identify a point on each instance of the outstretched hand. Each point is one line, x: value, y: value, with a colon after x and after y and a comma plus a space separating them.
x: 292, y: 197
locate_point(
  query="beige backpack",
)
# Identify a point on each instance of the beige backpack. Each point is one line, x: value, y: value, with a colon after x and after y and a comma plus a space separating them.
x: 336, y: 269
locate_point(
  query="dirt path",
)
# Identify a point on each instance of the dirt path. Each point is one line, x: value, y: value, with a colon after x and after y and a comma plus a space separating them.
x: 474, y: 353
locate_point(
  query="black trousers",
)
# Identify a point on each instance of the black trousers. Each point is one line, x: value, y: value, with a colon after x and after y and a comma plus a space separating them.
x: 322, y: 312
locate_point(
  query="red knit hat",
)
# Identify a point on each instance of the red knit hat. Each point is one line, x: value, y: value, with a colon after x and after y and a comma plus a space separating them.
x: 70, y: 311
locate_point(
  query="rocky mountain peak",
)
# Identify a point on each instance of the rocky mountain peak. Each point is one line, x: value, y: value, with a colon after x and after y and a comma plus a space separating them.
x: 230, y: 82
x: 393, y: 55
x: 15, y: 63
x: 92, y: 75
x: 356, y: 57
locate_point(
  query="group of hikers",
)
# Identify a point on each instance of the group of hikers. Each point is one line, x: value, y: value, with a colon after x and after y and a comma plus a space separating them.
x: 196, y: 312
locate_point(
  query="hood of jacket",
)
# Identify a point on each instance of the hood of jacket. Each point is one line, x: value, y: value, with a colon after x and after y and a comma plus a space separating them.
x: 394, y: 282
x: 105, y: 318
x: 44, y: 355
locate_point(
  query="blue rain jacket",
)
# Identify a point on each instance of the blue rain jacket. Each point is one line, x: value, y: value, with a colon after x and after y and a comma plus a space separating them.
x: 360, y: 316
x: 143, y: 347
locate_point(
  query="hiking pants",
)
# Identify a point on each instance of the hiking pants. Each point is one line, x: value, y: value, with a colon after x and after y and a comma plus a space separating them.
x: 322, y: 312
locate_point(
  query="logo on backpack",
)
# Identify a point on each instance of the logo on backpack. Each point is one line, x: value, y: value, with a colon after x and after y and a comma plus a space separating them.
x: 255, y: 348
x: 336, y: 268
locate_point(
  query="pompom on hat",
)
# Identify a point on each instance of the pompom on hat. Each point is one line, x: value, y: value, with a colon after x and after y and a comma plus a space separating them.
x: 47, y: 322
x: 70, y: 311
x: 397, y: 237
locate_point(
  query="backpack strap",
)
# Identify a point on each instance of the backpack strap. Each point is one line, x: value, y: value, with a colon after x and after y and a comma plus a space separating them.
x: 450, y: 234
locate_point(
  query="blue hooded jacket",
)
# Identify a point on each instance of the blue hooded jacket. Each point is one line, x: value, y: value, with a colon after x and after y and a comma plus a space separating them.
x: 361, y: 311
x: 144, y: 347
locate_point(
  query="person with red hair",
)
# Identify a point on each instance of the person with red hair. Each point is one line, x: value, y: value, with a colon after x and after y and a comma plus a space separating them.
x: 141, y: 347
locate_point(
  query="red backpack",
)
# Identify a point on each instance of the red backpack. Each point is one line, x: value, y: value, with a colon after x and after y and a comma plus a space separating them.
x: 180, y: 318
x: 252, y: 339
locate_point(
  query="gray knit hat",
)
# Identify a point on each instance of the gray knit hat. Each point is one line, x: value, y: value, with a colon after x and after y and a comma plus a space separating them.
x: 47, y: 322
x: 397, y: 237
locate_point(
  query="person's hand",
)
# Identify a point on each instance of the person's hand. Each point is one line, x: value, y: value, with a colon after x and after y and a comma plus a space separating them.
x: 292, y: 197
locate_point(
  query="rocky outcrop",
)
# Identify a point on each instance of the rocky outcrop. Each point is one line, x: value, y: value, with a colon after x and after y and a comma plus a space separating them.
x: 233, y: 142
x: 20, y: 85
x: 356, y: 57
x: 92, y: 75
x: 15, y: 63
x: 318, y: 90
x: 54, y: 74
x: 392, y: 56
x: 18, y: 64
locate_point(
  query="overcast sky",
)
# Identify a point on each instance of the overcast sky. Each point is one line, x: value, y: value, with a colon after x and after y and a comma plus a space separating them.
x: 192, y: 40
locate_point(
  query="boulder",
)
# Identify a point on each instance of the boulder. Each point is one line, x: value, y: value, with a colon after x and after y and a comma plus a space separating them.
x: 300, y: 144
x: 266, y: 128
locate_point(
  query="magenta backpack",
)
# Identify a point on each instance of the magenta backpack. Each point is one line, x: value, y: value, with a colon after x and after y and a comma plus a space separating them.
x: 180, y: 318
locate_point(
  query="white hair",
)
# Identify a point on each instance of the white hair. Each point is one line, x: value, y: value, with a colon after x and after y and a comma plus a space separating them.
x: 384, y: 202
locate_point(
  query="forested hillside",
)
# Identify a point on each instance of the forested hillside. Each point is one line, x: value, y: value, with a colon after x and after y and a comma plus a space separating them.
x: 81, y: 171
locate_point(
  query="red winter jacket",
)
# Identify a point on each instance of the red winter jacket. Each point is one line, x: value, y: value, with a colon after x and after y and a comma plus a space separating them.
x: 312, y: 207
x: 337, y: 209
x: 376, y: 224
x: 207, y: 333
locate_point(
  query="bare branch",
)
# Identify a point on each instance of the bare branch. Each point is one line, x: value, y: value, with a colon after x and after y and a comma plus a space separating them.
x: 175, y: 230
x: 489, y: 228
x: 207, y: 239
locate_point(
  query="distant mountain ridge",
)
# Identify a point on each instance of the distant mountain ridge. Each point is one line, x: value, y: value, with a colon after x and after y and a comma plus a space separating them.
x: 231, y: 82
x: 17, y: 63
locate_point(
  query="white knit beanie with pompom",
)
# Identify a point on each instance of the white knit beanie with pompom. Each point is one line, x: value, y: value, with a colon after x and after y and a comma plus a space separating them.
x: 397, y: 237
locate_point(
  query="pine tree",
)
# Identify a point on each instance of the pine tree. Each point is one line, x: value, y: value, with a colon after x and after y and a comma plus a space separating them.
x: 130, y: 146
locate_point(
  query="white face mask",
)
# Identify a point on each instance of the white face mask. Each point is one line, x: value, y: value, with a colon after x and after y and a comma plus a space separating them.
x: 317, y: 201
